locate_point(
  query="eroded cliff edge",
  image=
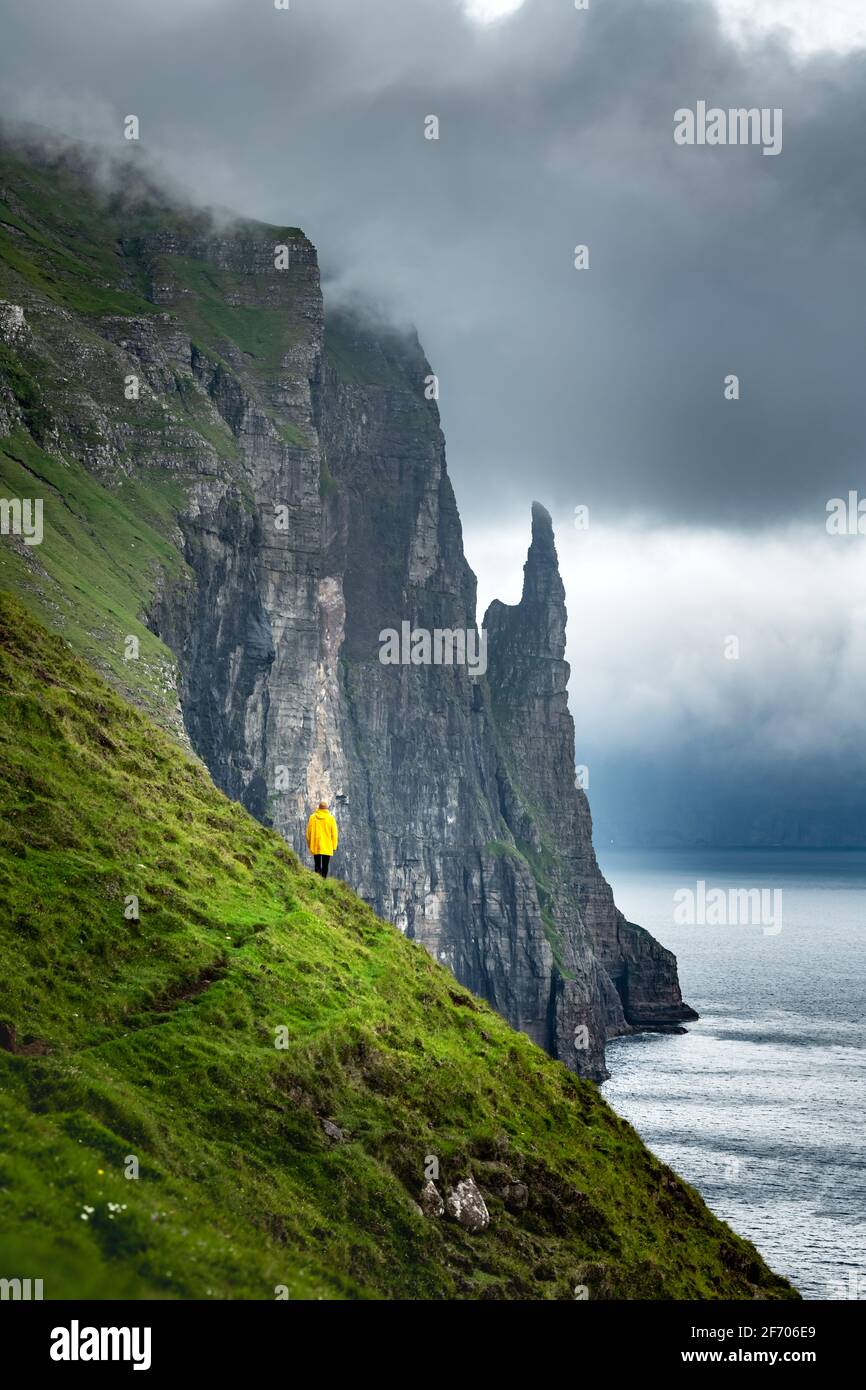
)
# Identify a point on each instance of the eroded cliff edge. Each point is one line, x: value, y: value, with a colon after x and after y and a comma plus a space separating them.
x: 455, y: 794
x: 290, y: 455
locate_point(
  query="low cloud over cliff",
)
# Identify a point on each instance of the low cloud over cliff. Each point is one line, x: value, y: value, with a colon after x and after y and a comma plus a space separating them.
x: 602, y: 387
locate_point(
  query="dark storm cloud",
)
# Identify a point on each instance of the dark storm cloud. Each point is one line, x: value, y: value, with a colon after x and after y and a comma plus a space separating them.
x: 603, y: 386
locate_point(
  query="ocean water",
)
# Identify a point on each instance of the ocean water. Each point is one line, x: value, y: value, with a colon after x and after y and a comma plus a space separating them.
x: 762, y: 1104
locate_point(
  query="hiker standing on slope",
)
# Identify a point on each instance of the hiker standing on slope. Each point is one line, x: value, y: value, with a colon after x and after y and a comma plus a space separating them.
x: 322, y: 838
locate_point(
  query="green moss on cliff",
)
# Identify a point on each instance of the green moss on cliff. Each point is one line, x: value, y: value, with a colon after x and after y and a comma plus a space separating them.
x: 114, y: 473
x: 103, y: 553
x: 214, y: 311
x: 61, y: 240
x: 363, y: 358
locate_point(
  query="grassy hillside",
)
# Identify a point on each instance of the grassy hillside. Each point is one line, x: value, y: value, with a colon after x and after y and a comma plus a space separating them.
x: 113, y: 473
x: 156, y: 1039
x: 116, y: 473
x: 97, y: 566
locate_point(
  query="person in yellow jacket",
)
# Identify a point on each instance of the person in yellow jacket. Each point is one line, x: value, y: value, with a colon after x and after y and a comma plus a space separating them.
x: 322, y: 838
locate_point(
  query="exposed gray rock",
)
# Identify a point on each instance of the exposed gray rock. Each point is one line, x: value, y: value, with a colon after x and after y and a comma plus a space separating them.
x: 466, y: 1205
x: 459, y: 818
x: 13, y: 325
x: 431, y: 1200
x: 515, y: 1195
x: 334, y: 1133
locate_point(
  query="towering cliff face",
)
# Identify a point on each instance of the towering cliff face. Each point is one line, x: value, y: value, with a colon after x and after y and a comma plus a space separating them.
x: 315, y: 512
x: 455, y: 793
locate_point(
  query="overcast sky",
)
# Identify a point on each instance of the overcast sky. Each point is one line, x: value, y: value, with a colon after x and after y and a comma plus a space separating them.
x: 601, y: 387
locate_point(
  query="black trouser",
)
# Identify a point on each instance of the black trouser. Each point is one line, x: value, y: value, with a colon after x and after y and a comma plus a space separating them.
x: 322, y: 862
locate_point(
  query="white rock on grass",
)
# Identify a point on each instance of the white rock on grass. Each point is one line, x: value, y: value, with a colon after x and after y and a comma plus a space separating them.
x: 12, y: 322
x: 466, y: 1205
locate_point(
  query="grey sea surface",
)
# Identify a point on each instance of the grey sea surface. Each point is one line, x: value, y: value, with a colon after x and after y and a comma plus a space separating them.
x: 761, y: 1105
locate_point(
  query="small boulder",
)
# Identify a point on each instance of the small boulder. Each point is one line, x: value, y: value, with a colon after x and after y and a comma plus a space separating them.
x: 466, y: 1205
x: 430, y: 1200
x: 515, y: 1195
x: 334, y: 1133
x: 13, y: 325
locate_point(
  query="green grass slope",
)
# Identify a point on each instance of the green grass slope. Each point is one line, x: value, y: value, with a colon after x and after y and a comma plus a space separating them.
x: 155, y: 1039
x: 115, y: 473
x: 110, y: 532
x: 94, y: 573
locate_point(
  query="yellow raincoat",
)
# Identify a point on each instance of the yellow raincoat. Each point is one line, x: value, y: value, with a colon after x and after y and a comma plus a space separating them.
x: 321, y: 833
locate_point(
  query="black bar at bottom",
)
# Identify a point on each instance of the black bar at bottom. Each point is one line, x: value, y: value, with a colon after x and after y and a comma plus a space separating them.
x: 167, y: 1338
